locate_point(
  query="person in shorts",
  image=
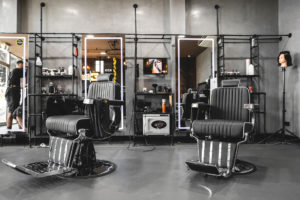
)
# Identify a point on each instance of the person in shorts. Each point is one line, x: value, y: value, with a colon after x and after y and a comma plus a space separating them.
x: 13, y: 92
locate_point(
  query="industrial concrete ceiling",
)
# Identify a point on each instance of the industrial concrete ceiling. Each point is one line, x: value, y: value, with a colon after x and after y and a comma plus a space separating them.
x: 191, y: 49
x: 103, y: 48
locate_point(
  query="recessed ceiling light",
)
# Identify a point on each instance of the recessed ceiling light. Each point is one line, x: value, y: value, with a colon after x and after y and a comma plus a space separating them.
x: 103, y: 53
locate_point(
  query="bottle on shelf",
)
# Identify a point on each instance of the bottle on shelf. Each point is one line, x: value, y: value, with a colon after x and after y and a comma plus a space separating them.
x: 163, y: 105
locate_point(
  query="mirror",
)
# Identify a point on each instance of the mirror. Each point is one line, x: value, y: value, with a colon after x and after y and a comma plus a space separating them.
x: 195, y: 70
x: 13, y: 56
x: 103, y: 54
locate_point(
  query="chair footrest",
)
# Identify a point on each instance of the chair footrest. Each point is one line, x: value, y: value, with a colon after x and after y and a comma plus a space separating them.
x: 209, y: 169
x: 242, y: 167
x: 40, y: 169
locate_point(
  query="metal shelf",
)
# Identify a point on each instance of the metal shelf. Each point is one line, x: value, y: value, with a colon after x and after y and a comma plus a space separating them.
x: 239, y: 76
x: 58, y: 76
x: 54, y: 95
x: 35, y: 105
x: 235, y: 58
x: 152, y: 94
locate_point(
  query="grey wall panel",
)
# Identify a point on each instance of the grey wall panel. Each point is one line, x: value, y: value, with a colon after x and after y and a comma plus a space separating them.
x: 203, y: 66
x: 242, y: 17
x: 165, y: 16
x: 8, y: 15
x: 236, y: 16
x: 289, y: 19
x: 104, y: 16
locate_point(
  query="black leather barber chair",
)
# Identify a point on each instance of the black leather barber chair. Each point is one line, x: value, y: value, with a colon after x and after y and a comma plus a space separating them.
x: 71, y: 149
x: 203, y: 92
x: 230, y: 121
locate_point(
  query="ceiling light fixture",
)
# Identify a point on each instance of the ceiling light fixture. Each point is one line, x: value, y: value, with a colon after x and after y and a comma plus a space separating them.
x: 103, y: 53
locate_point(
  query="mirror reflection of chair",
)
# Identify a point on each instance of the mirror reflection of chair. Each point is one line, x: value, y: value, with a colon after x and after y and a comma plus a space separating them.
x: 71, y: 149
x: 218, y: 137
x: 200, y: 95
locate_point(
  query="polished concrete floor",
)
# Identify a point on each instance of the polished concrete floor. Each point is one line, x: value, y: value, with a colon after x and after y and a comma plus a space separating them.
x: 159, y: 174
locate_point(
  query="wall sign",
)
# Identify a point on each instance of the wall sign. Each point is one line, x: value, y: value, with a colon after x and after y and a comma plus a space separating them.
x: 19, y: 42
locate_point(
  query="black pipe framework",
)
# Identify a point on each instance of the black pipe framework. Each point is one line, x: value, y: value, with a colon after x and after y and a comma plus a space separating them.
x: 135, y: 6
x: 152, y: 34
x: 35, y: 94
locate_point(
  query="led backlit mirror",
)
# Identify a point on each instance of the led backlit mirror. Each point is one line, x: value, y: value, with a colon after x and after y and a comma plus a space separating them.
x: 13, y: 55
x: 195, y: 69
x: 103, y: 54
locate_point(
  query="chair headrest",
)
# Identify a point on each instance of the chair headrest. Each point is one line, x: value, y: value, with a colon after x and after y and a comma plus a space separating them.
x: 231, y: 83
x: 105, y: 77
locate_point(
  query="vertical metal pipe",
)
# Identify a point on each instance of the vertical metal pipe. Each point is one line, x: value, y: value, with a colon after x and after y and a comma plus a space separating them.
x: 135, y: 67
x: 217, y: 11
x: 218, y: 38
x: 41, y: 18
x: 41, y: 67
x: 135, y: 46
x: 283, y: 102
x: 73, y: 57
x: 77, y: 80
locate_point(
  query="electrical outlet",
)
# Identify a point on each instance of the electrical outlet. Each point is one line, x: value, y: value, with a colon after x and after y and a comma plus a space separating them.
x: 287, y: 123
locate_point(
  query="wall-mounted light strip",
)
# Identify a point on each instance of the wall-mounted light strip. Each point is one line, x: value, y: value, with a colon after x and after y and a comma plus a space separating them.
x: 121, y: 62
x: 178, y: 68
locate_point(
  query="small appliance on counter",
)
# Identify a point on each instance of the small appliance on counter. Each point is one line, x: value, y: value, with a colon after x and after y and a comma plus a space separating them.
x: 156, y: 124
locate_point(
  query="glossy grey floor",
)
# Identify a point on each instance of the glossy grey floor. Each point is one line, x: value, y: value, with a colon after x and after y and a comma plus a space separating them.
x: 159, y: 174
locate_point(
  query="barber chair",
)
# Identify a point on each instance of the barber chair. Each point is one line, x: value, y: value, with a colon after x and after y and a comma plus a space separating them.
x: 188, y: 99
x: 230, y: 121
x: 71, y: 149
x: 203, y: 92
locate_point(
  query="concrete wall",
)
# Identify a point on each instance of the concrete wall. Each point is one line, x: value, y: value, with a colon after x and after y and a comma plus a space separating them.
x: 243, y: 17
x: 104, y: 16
x: 114, y: 16
x: 8, y: 15
x: 203, y: 66
x: 236, y: 16
x: 289, y: 18
x: 165, y: 16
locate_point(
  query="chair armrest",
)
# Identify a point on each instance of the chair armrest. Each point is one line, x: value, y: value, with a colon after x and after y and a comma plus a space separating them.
x: 110, y: 102
x: 251, y: 107
x: 200, y: 112
x: 88, y: 101
x: 116, y: 102
x: 200, y: 105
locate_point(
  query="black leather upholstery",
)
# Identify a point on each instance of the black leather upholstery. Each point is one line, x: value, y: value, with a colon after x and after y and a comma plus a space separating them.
x: 97, y: 116
x: 105, y: 77
x: 68, y: 123
x: 219, y: 128
x: 227, y: 103
x: 227, y: 115
x: 104, y: 90
x: 219, y: 137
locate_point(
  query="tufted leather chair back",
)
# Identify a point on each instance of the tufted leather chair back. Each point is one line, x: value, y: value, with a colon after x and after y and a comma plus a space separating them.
x: 228, y: 103
x: 104, y: 88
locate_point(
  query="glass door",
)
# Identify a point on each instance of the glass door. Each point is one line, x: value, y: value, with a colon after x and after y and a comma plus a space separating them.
x: 13, y: 54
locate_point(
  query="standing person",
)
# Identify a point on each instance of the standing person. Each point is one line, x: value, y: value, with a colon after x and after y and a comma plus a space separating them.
x: 13, y: 92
